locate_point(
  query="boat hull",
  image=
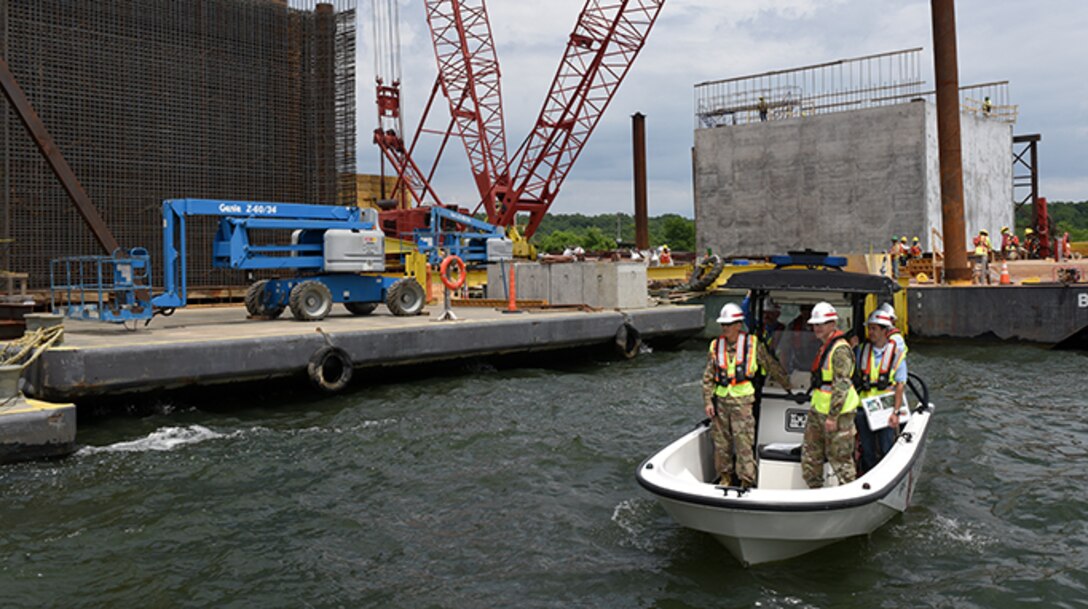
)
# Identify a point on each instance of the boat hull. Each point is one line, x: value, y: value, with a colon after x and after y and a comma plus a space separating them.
x: 762, y: 526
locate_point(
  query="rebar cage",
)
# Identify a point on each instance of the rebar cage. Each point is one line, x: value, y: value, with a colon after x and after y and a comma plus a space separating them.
x: 156, y: 99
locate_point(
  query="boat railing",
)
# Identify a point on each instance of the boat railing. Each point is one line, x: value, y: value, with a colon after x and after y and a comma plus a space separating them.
x: 920, y: 390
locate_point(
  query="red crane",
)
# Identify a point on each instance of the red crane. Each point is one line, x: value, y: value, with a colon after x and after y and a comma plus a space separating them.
x: 599, y: 53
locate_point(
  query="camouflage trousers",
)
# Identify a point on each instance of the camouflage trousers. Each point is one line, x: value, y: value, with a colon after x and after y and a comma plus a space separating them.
x: 734, y: 431
x: 837, y: 448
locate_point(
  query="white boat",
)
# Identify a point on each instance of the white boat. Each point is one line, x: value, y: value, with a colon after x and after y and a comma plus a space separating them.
x: 782, y: 518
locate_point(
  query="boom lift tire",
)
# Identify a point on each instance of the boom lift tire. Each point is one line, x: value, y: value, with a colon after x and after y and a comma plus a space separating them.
x: 405, y: 297
x: 255, y: 304
x: 310, y: 301
x: 361, y: 308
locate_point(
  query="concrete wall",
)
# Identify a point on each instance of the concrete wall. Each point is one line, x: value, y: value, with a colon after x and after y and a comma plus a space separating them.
x: 609, y: 285
x: 987, y: 175
x: 843, y: 182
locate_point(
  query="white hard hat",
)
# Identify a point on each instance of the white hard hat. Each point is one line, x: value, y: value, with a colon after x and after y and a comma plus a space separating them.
x: 880, y: 317
x: 731, y: 313
x: 889, y: 310
x: 822, y: 313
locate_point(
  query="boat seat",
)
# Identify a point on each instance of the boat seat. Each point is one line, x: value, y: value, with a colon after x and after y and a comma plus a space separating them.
x: 780, y: 451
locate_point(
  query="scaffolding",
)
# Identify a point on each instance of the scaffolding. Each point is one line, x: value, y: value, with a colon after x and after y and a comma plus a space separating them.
x: 157, y: 99
x: 870, y: 81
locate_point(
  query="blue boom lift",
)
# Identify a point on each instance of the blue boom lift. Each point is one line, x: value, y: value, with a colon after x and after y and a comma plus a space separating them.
x: 335, y: 255
x: 330, y: 249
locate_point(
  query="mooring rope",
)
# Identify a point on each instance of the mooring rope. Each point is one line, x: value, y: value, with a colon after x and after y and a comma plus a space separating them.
x: 24, y: 350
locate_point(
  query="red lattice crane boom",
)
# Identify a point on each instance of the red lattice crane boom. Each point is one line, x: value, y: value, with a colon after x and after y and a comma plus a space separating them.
x: 606, y: 39
x: 470, y: 78
x: 599, y: 53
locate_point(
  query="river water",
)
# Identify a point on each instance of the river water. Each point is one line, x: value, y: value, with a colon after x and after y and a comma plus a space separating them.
x: 488, y: 486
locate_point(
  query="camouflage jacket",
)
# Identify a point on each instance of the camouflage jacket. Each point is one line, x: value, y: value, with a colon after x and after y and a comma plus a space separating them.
x: 766, y: 361
x: 842, y: 374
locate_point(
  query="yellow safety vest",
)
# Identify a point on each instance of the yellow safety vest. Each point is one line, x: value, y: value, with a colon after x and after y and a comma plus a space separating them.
x: 734, y: 369
x: 874, y: 379
x: 821, y: 393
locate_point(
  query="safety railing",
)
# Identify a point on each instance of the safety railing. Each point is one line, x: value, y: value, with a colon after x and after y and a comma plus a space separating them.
x: 876, y: 80
x: 113, y: 289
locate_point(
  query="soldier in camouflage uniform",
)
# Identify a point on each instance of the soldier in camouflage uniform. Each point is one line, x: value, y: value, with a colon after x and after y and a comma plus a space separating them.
x: 829, y: 431
x: 735, y: 359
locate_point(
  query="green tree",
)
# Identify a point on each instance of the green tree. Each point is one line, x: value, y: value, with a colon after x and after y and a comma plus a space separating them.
x: 594, y: 240
x: 600, y: 232
x: 678, y: 232
x: 557, y: 241
x: 1066, y: 216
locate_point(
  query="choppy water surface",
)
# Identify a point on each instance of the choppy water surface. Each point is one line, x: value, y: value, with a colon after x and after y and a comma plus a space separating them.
x: 515, y: 488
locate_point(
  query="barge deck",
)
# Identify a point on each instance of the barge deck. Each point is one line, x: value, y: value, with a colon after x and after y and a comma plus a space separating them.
x: 215, y: 345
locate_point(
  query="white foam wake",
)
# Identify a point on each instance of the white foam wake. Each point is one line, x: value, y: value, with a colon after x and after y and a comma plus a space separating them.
x: 166, y: 438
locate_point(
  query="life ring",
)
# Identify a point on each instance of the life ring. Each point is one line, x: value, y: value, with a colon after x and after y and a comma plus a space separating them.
x: 329, y: 369
x: 443, y: 272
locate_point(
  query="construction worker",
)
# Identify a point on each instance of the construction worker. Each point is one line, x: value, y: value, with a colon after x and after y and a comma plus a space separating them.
x: 915, y: 249
x: 829, y: 429
x: 881, y: 368
x: 904, y: 251
x: 666, y: 256
x: 987, y: 107
x: 893, y: 256
x: 762, y: 107
x: 1010, y: 244
x: 733, y: 362
x: 1031, y: 243
x: 983, y: 245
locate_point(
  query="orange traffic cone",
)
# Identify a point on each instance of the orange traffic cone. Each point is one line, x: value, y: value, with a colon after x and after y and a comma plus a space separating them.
x: 1005, y: 279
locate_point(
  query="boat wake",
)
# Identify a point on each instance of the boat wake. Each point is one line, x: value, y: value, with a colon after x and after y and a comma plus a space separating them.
x: 166, y: 438
x: 636, y: 518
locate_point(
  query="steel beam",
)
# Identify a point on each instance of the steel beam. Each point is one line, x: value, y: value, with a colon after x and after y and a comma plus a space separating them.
x: 67, y: 178
x: 948, y: 139
x: 642, y: 220
x: 36, y: 128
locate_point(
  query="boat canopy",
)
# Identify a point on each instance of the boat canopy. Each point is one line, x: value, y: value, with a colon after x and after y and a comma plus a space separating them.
x: 812, y: 280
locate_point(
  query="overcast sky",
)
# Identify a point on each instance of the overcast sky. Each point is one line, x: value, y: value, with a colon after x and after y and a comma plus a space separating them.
x: 1040, y: 46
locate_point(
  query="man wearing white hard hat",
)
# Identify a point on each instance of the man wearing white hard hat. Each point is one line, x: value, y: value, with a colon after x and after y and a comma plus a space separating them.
x: 881, y: 368
x: 735, y: 359
x: 829, y: 430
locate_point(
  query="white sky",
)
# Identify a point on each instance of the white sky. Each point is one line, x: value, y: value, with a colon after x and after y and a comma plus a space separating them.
x: 1039, y: 46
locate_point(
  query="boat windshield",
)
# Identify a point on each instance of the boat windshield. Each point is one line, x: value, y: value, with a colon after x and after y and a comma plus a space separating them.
x: 791, y: 338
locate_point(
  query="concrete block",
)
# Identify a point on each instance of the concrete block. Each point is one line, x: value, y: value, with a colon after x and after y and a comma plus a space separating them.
x: 843, y: 182
x: 567, y: 283
x: 533, y: 281
x: 631, y: 290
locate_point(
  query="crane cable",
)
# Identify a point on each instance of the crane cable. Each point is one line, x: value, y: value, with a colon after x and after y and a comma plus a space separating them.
x: 387, y: 65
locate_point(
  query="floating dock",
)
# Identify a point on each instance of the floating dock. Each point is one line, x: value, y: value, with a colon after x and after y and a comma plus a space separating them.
x: 1052, y: 314
x: 208, y: 346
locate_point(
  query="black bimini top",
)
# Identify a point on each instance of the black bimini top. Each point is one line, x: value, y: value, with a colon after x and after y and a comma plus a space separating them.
x: 811, y: 280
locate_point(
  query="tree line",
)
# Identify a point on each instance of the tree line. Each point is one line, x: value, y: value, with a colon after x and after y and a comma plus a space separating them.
x: 611, y: 231
x: 1066, y: 216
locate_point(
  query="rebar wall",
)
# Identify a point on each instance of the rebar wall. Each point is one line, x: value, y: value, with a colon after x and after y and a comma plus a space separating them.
x: 157, y: 99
